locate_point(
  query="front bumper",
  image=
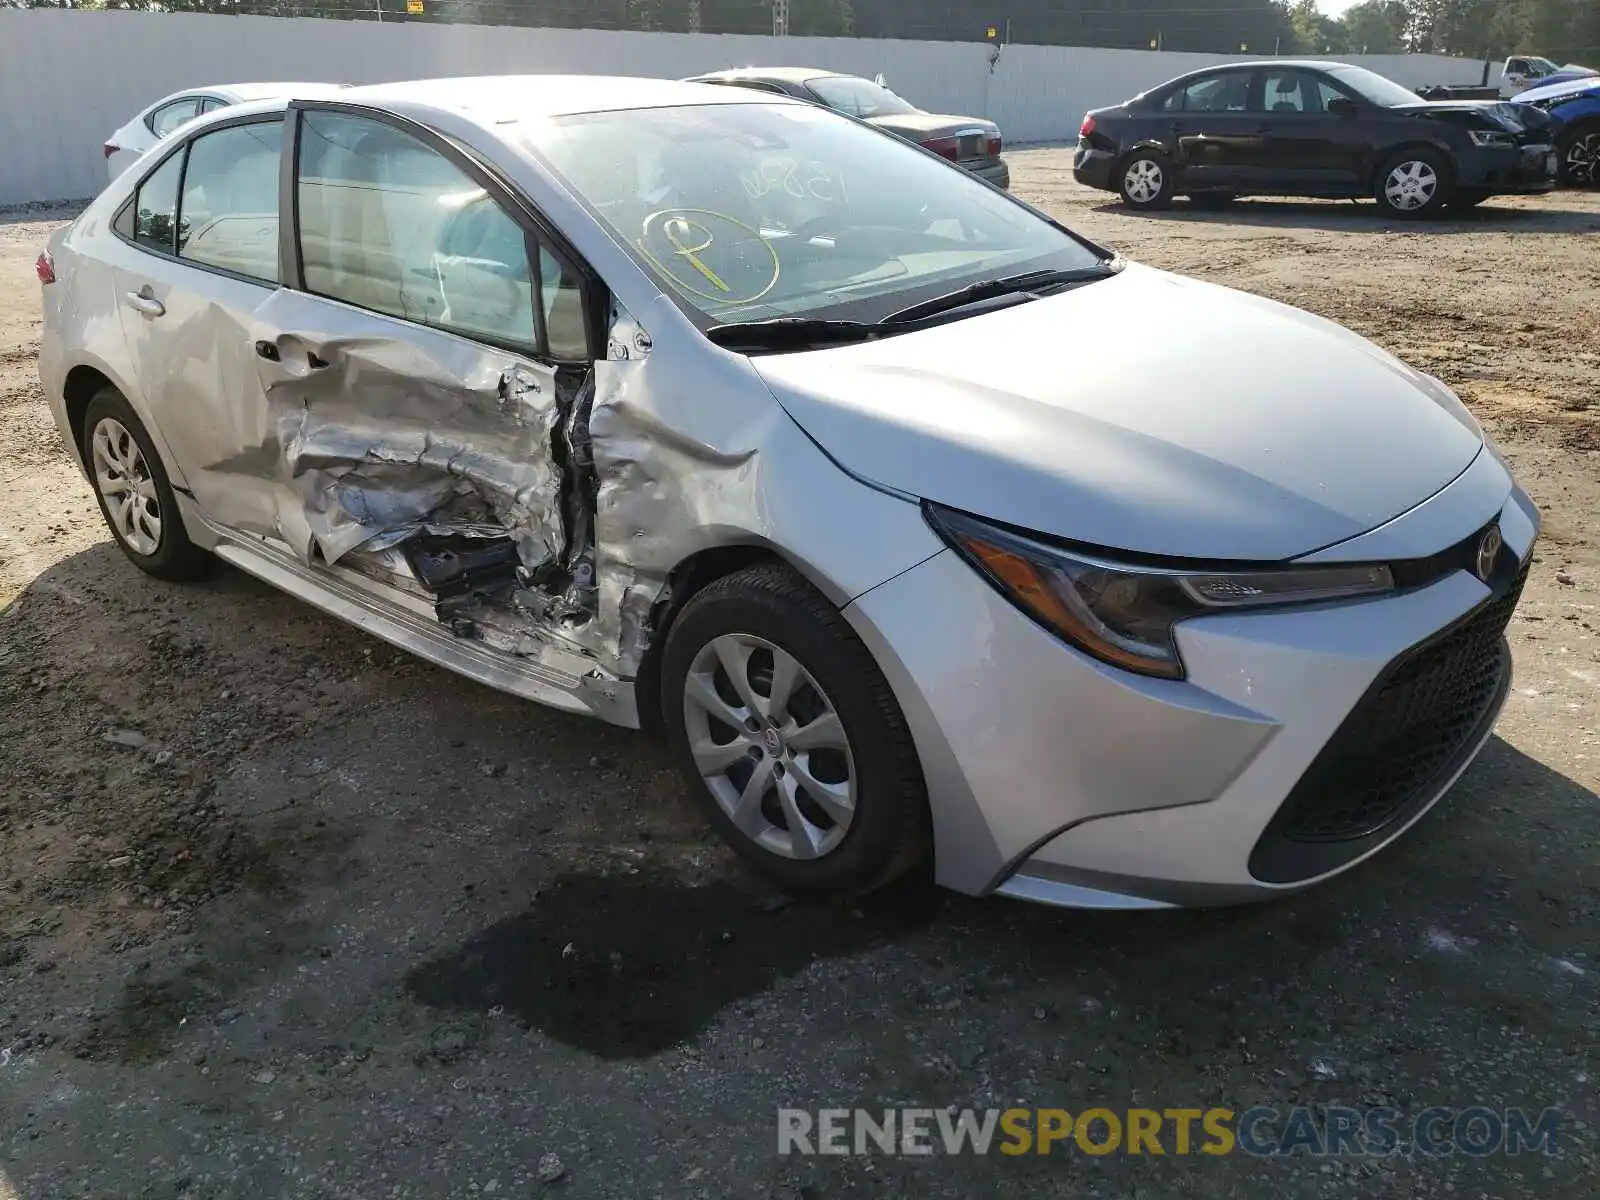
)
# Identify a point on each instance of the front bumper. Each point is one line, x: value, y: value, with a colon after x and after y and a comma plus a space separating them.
x: 1532, y: 168
x: 1056, y: 778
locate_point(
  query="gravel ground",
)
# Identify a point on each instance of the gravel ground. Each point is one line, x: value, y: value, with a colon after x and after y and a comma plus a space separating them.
x: 286, y: 913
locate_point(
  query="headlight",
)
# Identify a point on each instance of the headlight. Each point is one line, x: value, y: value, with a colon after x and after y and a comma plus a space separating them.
x: 1493, y: 137
x: 1125, y: 613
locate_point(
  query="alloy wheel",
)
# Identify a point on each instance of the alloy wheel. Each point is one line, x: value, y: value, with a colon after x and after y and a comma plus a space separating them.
x: 1411, y: 185
x: 769, y: 744
x: 1143, y: 180
x: 1583, y: 161
x: 122, y: 477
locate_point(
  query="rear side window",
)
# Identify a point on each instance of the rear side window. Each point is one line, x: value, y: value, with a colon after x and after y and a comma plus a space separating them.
x: 1216, y: 93
x: 155, y: 206
x: 169, y: 116
x: 228, y: 215
x: 390, y: 224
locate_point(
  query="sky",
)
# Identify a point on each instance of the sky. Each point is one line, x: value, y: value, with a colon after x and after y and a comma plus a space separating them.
x: 1334, y: 7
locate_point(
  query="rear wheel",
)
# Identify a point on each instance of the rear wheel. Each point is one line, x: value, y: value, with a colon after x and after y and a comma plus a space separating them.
x: 789, y: 736
x: 1578, y: 157
x: 134, y: 493
x: 1412, y: 183
x: 1145, y: 180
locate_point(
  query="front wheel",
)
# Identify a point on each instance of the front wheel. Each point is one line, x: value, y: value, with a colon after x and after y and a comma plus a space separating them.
x: 1146, y: 180
x: 1578, y: 158
x: 1412, y: 183
x: 790, y: 737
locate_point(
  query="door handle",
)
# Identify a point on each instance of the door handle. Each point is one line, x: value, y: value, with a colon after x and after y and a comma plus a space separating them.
x: 144, y: 301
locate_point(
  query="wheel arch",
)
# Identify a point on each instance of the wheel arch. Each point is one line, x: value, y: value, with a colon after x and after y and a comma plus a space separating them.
x: 82, y: 380
x: 693, y: 574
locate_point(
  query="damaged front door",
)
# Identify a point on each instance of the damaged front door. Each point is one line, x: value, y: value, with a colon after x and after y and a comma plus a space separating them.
x: 421, y: 410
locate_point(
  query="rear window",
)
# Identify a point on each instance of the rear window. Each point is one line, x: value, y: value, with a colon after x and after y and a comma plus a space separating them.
x: 858, y: 97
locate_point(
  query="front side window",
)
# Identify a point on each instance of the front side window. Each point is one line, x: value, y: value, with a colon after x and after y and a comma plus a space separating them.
x: 169, y: 116
x: 858, y: 97
x: 228, y: 216
x: 743, y: 212
x: 390, y: 224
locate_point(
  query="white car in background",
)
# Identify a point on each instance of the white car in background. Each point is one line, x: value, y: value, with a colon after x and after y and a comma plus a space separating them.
x: 169, y: 112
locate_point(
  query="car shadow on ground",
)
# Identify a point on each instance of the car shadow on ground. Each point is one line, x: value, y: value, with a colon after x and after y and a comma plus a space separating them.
x: 625, y: 967
x: 497, y: 857
x: 1364, y: 217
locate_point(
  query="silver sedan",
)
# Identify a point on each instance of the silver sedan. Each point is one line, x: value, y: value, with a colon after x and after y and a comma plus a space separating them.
x: 930, y: 535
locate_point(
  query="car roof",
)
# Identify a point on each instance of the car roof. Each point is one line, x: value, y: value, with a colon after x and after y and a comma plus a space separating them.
x: 507, y: 99
x: 262, y: 91
x: 253, y: 91
x: 780, y: 74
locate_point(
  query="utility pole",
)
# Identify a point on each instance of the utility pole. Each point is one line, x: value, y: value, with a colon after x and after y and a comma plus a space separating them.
x: 694, y: 16
x: 780, y: 18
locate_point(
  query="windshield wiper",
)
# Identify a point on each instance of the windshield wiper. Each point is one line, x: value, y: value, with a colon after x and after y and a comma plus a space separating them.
x: 795, y: 333
x: 1028, y: 284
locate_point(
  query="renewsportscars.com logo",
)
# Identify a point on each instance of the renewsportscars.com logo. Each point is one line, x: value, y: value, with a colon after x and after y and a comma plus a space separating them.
x: 1262, y: 1131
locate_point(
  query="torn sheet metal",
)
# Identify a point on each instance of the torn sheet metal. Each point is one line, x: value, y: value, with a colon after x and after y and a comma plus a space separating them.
x: 654, y: 485
x: 420, y: 461
x: 386, y: 439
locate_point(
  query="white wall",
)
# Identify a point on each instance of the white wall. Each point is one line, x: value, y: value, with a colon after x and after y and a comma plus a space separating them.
x: 69, y: 78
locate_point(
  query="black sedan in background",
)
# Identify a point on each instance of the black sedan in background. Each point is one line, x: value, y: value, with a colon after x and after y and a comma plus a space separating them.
x: 1311, y: 129
x: 971, y: 142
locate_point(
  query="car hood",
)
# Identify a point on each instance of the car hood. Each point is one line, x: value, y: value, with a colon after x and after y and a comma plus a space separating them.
x: 1562, y: 89
x: 1145, y: 412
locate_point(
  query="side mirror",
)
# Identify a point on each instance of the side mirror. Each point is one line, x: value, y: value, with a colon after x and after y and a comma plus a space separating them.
x: 1340, y: 106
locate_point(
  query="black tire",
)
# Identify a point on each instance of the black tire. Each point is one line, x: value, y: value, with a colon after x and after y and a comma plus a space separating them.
x: 1426, y: 164
x: 1152, y: 167
x: 1212, y: 201
x: 174, y: 556
x: 889, y: 833
x: 1465, y: 198
x: 1580, y: 169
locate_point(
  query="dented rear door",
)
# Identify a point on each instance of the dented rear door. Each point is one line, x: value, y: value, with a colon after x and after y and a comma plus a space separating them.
x: 205, y: 225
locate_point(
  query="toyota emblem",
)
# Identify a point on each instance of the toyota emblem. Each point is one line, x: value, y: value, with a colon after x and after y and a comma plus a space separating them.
x: 1488, y: 551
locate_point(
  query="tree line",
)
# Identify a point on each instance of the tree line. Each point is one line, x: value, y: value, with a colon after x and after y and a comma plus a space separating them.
x: 1564, y: 30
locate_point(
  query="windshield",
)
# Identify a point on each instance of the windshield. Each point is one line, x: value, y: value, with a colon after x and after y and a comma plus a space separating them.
x: 746, y: 212
x: 858, y: 97
x: 1385, y: 93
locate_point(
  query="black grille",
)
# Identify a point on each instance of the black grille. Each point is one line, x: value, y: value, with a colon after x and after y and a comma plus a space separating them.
x: 1403, y: 737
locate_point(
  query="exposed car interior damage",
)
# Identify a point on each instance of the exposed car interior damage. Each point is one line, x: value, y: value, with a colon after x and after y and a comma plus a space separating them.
x: 468, y: 481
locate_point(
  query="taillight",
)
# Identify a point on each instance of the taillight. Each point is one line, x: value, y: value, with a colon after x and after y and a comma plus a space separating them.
x: 994, y: 147
x: 944, y: 147
x: 45, y: 268
x: 110, y: 148
x: 1087, y: 127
